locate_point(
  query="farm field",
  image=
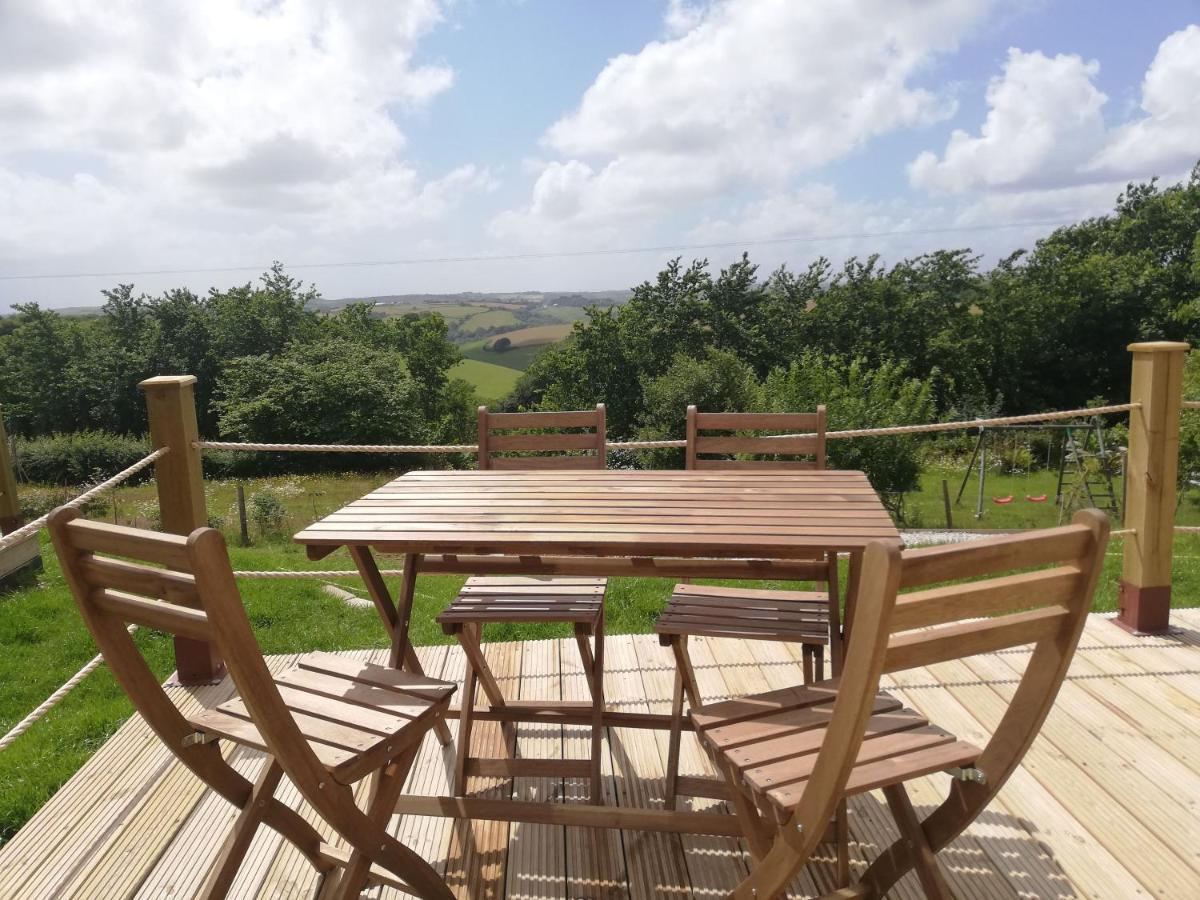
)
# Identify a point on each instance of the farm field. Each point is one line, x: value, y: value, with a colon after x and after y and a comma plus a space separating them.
x: 514, y: 358
x: 487, y: 320
x: 491, y: 382
x: 533, y: 336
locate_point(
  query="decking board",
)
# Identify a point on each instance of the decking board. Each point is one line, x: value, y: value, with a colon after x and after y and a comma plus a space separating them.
x: 1104, y: 806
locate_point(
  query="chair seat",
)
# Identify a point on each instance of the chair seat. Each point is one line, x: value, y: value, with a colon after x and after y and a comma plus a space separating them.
x: 355, y: 715
x: 695, y: 609
x: 504, y: 598
x: 771, y: 740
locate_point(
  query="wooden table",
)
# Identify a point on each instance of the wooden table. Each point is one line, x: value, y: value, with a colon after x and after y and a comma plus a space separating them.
x: 671, y: 524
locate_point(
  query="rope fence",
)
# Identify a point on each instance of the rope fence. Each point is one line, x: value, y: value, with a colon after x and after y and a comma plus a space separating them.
x: 54, y: 699
x: 1191, y: 404
x: 328, y: 573
x: 79, y: 502
x: 33, y: 527
x: 1030, y: 418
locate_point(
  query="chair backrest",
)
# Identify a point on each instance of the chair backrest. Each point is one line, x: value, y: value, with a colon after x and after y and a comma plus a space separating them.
x: 995, y: 594
x: 703, y: 446
x: 181, y: 585
x: 561, y: 440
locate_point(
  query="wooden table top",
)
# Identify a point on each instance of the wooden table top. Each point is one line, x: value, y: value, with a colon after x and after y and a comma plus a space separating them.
x: 770, y: 514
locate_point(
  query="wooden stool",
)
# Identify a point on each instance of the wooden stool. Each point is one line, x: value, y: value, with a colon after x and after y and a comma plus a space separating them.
x: 517, y: 599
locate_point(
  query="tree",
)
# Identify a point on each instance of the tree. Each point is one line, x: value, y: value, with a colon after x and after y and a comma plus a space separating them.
x: 332, y: 392
x: 859, y: 395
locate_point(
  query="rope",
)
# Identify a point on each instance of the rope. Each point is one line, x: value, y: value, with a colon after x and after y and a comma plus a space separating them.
x: 653, y: 445
x: 329, y: 573
x: 35, y: 526
x: 340, y: 448
x: 1188, y: 529
x: 54, y: 699
x: 1191, y: 404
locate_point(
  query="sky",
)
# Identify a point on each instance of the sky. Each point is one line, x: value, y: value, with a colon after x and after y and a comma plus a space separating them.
x: 511, y: 145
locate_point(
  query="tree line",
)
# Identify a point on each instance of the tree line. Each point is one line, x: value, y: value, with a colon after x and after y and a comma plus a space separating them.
x: 270, y: 368
x: 933, y: 337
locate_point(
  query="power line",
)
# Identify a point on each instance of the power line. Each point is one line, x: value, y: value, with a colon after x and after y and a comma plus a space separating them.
x: 558, y: 254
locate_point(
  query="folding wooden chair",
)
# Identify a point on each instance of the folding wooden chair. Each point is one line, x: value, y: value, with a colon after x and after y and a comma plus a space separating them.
x: 808, y: 618
x: 792, y: 756
x: 326, y: 722
x: 506, y: 599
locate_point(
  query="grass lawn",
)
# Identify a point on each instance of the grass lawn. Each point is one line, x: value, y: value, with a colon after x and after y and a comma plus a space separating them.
x: 45, y: 642
x: 491, y: 381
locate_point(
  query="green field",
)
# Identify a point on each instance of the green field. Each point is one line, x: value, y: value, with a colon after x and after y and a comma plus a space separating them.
x: 514, y: 358
x: 491, y: 382
x: 565, y: 313
x: 487, y: 321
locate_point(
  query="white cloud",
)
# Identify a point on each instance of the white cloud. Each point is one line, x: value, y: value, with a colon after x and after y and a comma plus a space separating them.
x: 1045, y: 130
x: 754, y: 93
x: 193, y: 123
x: 1167, y: 138
x: 1044, y: 120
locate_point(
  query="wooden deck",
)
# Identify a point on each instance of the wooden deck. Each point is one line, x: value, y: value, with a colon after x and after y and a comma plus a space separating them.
x: 1107, y: 803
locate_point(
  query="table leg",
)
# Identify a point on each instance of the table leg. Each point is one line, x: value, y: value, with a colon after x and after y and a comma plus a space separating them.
x: 395, y: 616
x: 853, y: 575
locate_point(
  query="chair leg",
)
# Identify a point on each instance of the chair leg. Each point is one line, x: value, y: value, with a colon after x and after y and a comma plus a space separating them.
x: 233, y: 851
x: 842, y: 830
x: 470, y: 637
x: 685, y: 684
x: 466, y: 721
x: 932, y: 881
x: 754, y: 829
x: 386, y: 787
x: 819, y: 662
x: 806, y: 656
x: 596, y: 789
x: 674, y: 739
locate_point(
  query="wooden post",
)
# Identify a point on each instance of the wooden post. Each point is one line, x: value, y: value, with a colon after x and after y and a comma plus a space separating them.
x: 10, y: 505
x: 24, y: 555
x: 171, y: 403
x: 1152, y: 468
x: 243, y: 525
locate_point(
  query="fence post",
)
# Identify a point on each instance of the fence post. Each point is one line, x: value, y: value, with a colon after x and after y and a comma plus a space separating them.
x: 171, y: 404
x: 10, y: 505
x: 1151, y: 471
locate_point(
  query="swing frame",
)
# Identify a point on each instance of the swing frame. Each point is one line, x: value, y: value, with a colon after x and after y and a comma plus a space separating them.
x: 980, y: 451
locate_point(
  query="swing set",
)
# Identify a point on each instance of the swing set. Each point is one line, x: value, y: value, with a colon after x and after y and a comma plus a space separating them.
x: 1085, y: 467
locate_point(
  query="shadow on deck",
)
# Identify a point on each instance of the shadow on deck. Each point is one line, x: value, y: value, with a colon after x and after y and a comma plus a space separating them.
x: 1105, y: 804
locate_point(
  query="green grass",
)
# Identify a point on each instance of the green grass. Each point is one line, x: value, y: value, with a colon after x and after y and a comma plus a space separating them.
x: 565, y: 313
x: 516, y: 358
x: 491, y: 382
x: 44, y: 641
x: 487, y: 321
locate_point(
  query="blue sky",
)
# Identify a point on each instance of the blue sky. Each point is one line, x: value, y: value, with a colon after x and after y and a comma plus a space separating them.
x: 175, y: 136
